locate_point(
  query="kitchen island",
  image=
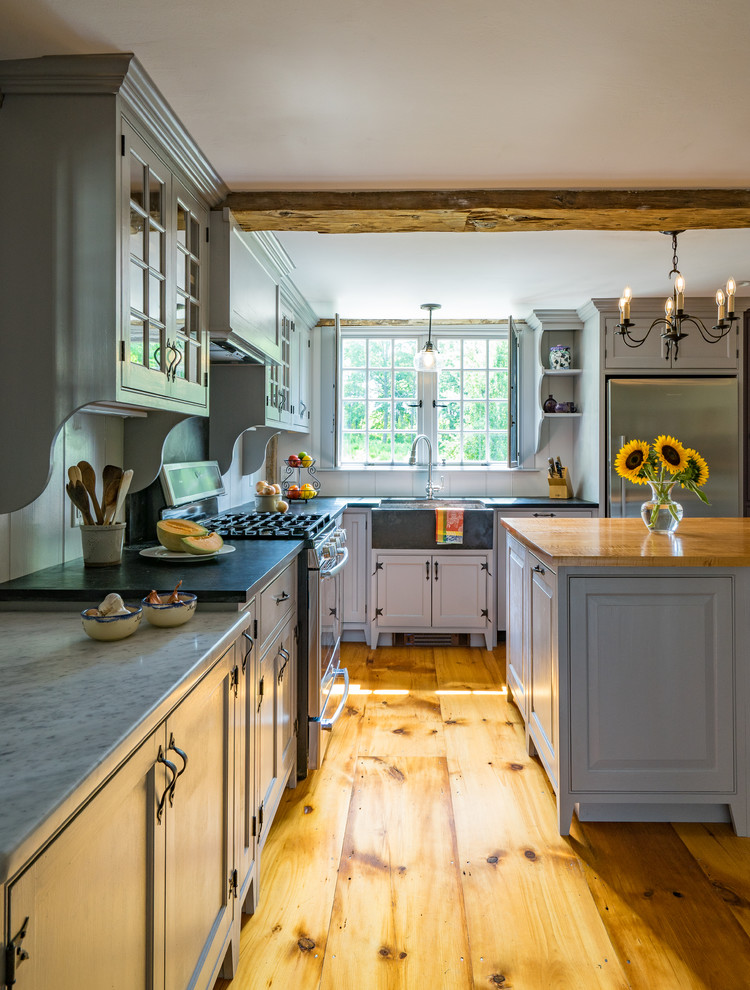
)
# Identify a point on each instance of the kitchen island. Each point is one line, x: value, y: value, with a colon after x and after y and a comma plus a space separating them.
x: 627, y: 658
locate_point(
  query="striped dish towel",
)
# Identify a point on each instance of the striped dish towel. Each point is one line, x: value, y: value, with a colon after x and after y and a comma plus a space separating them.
x: 449, y: 525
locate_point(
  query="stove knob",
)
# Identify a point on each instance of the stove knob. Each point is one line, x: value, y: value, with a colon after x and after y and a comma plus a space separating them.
x: 340, y: 535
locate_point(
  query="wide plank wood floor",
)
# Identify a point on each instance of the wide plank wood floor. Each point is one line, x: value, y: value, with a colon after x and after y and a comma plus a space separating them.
x: 424, y: 854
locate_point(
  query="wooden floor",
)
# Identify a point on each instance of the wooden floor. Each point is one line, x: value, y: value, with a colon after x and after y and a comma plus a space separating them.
x: 424, y: 854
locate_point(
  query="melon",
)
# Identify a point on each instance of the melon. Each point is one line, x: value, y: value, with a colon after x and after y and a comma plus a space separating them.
x: 208, y: 543
x: 170, y: 532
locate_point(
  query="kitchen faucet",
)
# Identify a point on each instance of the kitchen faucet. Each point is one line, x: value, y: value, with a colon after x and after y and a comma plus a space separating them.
x: 432, y: 490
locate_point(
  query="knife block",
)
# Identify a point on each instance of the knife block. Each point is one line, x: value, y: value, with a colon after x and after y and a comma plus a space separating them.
x: 560, y: 487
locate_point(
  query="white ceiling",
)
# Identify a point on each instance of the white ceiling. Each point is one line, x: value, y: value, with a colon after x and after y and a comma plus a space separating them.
x: 384, y: 94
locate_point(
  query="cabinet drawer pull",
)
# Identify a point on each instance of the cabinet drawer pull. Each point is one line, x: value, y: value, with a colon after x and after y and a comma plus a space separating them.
x: 538, y: 569
x: 281, y: 598
x: 183, y: 756
x: 161, y: 758
x: 260, y: 693
x: 436, y: 570
x: 248, y: 651
x: 427, y: 570
x: 544, y: 515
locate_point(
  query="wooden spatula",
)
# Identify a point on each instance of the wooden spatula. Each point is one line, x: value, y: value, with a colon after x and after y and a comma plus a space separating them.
x: 111, y: 477
x: 88, y: 477
x: 127, y: 477
x: 79, y: 498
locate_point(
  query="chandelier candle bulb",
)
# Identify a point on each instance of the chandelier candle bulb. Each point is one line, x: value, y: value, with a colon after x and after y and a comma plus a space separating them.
x: 679, y: 288
x: 668, y: 308
x: 731, y: 289
x: 720, y: 305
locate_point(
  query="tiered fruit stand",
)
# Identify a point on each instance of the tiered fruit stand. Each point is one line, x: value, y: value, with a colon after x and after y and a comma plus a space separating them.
x: 294, y: 471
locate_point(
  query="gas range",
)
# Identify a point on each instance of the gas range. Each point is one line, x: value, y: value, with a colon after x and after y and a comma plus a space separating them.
x: 251, y: 525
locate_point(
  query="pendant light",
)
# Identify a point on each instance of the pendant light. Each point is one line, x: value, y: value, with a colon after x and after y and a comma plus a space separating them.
x: 428, y: 358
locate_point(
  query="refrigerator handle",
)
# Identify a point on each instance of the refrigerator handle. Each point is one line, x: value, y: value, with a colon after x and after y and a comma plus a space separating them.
x: 621, y: 443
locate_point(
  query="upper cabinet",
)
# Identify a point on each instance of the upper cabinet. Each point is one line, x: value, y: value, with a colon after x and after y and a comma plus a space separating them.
x: 694, y: 352
x: 246, y: 274
x: 104, y: 279
x: 558, y: 367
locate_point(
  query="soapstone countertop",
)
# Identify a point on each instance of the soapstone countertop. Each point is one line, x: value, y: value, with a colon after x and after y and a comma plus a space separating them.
x: 72, y: 709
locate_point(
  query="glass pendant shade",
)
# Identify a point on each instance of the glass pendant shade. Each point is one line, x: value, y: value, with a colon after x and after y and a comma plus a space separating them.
x: 428, y: 358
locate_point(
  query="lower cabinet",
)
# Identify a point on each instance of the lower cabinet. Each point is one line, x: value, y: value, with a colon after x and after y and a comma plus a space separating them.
x: 354, y: 588
x: 531, y: 652
x: 501, y: 535
x: 448, y: 591
x: 630, y: 686
x: 137, y: 890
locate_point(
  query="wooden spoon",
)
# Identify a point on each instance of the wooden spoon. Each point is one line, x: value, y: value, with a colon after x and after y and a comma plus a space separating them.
x: 127, y: 477
x: 88, y: 477
x: 79, y: 498
x: 111, y: 477
x: 74, y: 474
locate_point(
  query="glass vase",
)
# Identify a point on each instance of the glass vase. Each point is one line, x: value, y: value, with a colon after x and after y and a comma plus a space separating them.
x: 661, y: 513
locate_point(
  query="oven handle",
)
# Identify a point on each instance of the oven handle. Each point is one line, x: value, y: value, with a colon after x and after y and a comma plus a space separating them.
x: 324, y: 575
x: 327, y: 723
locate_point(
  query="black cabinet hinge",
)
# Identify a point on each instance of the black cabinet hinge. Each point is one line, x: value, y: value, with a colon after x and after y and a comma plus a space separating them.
x: 205, y: 379
x: 485, y: 613
x: 255, y: 825
x: 14, y: 954
x: 233, y: 883
x: 208, y: 235
x: 122, y: 145
x: 255, y: 628
x: 122, y: 351
x: 378, y: 611
x: 235, y: 679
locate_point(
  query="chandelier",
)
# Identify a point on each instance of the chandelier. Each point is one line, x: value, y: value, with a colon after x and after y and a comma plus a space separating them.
x: 674, y: 313
x: 428, y: 358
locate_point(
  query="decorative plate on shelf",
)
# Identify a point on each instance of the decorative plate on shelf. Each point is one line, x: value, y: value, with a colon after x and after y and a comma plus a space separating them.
x: 161, y: 553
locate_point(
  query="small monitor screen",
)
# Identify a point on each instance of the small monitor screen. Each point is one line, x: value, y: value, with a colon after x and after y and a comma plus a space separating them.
x: 191, y: 481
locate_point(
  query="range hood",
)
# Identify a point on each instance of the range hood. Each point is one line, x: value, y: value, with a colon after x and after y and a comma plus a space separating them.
x: 228, y: 348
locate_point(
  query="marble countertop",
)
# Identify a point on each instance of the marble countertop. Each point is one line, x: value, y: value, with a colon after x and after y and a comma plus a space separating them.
x: 705, y: 542
x: 72, y: 709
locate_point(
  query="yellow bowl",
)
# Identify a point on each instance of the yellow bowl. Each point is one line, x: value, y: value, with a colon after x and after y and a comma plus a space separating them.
x: 173, y: 614
x: 108, y: 628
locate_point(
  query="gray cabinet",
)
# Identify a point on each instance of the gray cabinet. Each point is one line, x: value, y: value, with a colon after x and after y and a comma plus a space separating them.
x: 694, y: 353
x: 136, y: 891
x: 631, y: 687
x: 546, y: 512
x: 245, y: 285
x: 642, y: 719
x: 354, y: 592
x: 448, y: 591
x: 113, y: 216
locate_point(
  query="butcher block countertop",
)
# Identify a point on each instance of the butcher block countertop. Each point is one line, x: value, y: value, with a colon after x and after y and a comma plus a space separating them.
x: 720, y: 542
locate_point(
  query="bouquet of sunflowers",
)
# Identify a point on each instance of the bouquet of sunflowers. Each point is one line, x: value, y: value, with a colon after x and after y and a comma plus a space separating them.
x: 662, y: 464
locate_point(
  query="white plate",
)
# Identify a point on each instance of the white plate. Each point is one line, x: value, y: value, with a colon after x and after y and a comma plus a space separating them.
x: 161, y: 553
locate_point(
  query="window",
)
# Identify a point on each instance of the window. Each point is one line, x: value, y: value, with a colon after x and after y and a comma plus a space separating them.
x: 465, y: 409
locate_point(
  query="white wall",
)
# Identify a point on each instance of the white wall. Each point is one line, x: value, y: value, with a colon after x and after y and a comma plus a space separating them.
x: 45, y: 532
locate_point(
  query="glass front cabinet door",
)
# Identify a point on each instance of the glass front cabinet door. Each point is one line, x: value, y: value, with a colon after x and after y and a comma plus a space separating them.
x: 164, y: 348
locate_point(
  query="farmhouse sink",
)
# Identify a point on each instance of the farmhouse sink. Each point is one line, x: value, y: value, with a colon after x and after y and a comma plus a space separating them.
x: 409, y: 524
x: 430, y: 503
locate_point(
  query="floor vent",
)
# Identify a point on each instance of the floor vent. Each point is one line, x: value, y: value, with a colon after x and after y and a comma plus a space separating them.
x: 431, y: 639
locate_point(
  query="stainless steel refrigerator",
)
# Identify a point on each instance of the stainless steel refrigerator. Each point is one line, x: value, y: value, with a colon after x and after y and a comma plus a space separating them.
x: 702, y: 413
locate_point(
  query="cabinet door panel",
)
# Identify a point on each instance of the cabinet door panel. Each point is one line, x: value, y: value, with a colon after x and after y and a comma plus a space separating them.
x: 515, y: 640
x: 543, y: 665
x: 404, y: 591
x: 459, y: 591
x: 198, y: 913
x: 643, y: 723
x: 266, y: 726
x: 244, y: 733
x: 286, y: 665
x: 90, y: 897
x: 355, y: 580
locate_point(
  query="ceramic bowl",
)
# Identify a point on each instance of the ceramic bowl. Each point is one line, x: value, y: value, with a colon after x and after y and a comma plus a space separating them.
x: 267, y: 503
x: 111, y: 627
x: 174, y: 614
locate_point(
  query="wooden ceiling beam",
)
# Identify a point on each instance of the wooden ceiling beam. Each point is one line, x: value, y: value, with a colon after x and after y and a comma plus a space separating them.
x: 490, y: 210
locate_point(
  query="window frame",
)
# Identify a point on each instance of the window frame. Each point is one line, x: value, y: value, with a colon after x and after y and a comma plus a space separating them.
x: 427, y: 413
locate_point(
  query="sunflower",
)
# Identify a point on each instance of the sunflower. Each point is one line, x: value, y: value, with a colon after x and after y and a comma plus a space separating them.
x: 671, y: 453
x: 697, y: 469
x: 630, y: 459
